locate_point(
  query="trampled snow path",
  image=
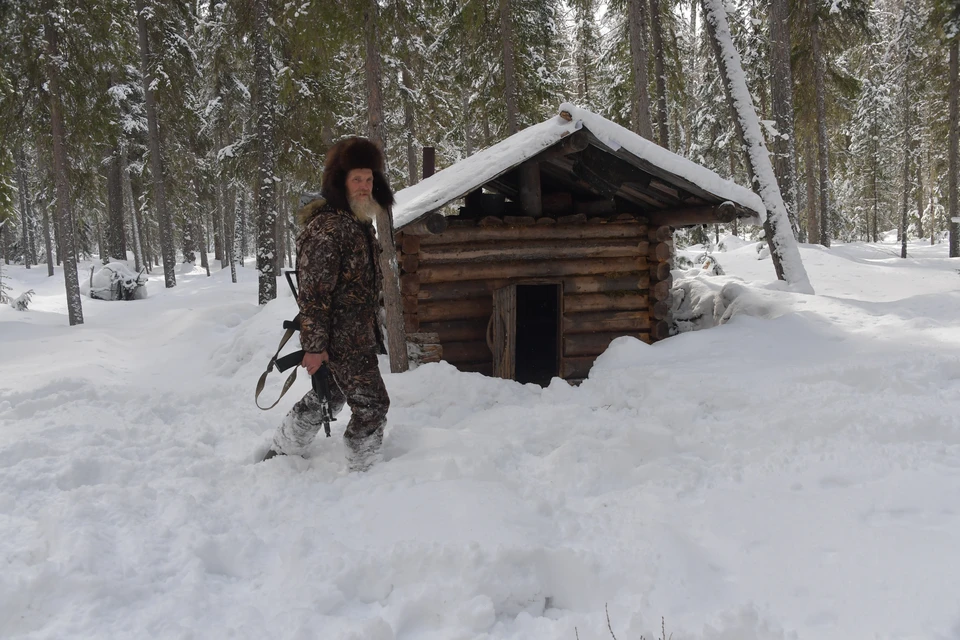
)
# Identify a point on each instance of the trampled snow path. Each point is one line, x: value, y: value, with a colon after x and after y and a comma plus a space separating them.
x: 794, y: 473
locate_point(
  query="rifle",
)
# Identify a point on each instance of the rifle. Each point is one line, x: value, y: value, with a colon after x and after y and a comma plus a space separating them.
x: 320, y: 380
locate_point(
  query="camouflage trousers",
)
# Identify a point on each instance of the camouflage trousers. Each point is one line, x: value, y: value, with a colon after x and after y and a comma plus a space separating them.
x: 357, y: 383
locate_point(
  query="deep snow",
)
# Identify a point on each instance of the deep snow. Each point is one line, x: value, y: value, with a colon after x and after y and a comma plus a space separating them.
x: 791, y: 473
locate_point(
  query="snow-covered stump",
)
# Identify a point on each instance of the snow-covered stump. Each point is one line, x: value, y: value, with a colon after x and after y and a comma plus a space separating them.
x: 115, y: 281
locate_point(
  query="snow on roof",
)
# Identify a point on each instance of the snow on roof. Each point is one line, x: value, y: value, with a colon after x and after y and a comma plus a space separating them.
x: 470, y: 173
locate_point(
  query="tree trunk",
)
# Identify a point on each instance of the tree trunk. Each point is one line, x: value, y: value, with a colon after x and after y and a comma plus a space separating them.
x: 24, y: 204
x: 47, y: 240
x: 656, y: 30
x: 130, y: 206
x: 509, y: 69
x: 396, y: 336
x: 907, y: 143
x: 692, y: 76
x: 920, y: 232
x: 781, y: 97
x: 953, y: 213
x: 239, y: 227
x: 266, y: 186
x: 823, y: 149
x: 116, y: 244
x: 413, y: 175
x: 61, y: 170
x: 783, y: 246
x: 156, y: 159
x: 640, y: 113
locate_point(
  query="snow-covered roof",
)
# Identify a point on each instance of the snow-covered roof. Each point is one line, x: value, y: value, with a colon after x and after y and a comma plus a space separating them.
x: 467, y: 175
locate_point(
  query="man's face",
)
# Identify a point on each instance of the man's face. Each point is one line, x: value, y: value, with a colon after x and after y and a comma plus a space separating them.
x: 359, y: 184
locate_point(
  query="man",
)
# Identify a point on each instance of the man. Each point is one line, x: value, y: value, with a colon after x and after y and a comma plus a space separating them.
x: 339, y: 280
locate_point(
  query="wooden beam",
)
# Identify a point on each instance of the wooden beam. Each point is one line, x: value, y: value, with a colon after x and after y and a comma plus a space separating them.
x: 593, y: 344
x: 457, y: 330
x: 529, y: 250
x: 572, y: 285
x: 627, y: 321
x: 426, y: 225
x: 529, y: 269
x: 457, y: 236
x: 438, y: 311
x: 612, y: 301
x: 472, y: 351
x: 692, y: 216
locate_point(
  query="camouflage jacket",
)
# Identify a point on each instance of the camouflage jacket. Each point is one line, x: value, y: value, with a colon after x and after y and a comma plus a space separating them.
x: 338, y: 273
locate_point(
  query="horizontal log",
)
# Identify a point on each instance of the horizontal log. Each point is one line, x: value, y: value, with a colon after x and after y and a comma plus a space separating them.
x: 660, y: 330
x: 410, y: 305
x: 458, y: 330
x: 424, y: 353
x: 410, y: 244
x: 545, y: 221
x: 475, y: 350
x: 691, y: 216
x: 519, y: 221
x: 635, y: 281
x: 409, y: 262
x: 576, y: 218
x: 532, y: 250
x: 659, y: 271
x: 593, y: 344
x: 661, y: 233
x: 528, y: 269
x: 611, y: 301
x: 599, y: 321
x: 411, y: 324
x: 662, y: 289
x: 423, y: 337
x: 466, y: 235
x: 576, y: 368
x: 409, y: 284
x: 661, y: 252
x: 439, y: 310
x: 661, y: 310
x: 632, y: 281
x: 426, y: 225
x: 491, y: 222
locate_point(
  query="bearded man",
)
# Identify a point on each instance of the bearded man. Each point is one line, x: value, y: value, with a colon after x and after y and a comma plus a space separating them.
x: 338, y: 273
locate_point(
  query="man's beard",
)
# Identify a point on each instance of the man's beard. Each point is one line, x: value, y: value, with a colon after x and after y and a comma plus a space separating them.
x: 365, y: 209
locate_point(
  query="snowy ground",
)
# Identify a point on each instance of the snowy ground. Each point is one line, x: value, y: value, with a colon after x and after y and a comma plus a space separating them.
x: 793, y: 473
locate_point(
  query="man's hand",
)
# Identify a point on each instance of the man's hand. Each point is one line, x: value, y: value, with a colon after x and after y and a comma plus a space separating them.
x: 312, y: 361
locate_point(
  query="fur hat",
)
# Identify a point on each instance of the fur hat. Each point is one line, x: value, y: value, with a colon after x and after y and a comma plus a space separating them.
x: 354, y: 153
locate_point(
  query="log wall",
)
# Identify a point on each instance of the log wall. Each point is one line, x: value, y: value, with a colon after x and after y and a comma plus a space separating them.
x: 611, y: 270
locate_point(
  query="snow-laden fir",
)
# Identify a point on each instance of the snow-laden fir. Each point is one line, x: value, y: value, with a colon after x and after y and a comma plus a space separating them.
x: 792, y: 472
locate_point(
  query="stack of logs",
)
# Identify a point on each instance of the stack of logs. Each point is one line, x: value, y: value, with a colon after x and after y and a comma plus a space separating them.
x: 661, y: 281
x: 614, y: 272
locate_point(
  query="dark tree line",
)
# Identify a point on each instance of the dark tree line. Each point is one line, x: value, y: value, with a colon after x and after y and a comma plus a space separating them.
x: 164, y: 130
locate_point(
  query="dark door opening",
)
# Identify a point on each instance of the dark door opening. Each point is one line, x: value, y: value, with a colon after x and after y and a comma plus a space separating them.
x: 538, y: 333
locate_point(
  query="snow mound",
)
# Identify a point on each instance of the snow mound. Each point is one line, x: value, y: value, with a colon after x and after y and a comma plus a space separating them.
x: 115, y: 281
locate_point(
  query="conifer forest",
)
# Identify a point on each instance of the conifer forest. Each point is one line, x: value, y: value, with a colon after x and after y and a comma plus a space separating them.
x: 161, y: 131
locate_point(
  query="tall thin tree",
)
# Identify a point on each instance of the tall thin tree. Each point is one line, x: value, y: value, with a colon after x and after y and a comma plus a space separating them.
x: 266, y: 167
x: 783, y: 246
x: 60, y: 168
x: 167, y: 247
x: 781, y: 97
x: 396, y: 336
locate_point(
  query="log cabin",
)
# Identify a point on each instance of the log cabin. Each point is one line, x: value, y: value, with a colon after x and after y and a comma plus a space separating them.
x: 525, y: 260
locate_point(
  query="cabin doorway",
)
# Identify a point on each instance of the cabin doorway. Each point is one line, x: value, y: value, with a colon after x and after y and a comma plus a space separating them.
x: 526, y: 333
